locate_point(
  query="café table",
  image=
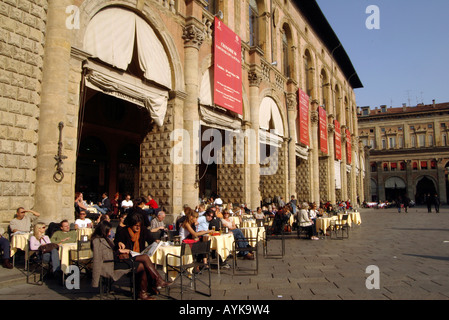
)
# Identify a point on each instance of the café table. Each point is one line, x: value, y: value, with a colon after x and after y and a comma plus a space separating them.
x: 19, y: 241
x: 355, y: 217
x: 249, y: 223
x: 322, y: 223
x: 251, y: 232
x: 222, y: 244
x: 84, y: 232
x: 68, y: 254
x: 159, y: 255
x: 236, y: 220
x: 340, y: 218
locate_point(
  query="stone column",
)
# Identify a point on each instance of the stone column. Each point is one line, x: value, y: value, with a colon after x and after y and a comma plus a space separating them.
x: 344, y: 184
x: 255, y: 79
x: 314, y: 118
x: 292, y: 104
x: 367, y: 182
x: 410, y: 186
x: 49, y: 196
x: 193, y: 38
x: 441, y: 181
x: 331, y: 159
x: 354, y: 148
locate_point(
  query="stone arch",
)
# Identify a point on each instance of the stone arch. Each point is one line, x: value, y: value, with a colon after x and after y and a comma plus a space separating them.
x: 89, y: 9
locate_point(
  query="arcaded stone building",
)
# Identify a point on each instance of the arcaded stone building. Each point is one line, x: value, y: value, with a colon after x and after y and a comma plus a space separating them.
x: 108, y: 95
x: 408, y: 151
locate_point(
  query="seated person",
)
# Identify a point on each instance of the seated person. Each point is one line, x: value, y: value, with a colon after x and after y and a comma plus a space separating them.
x: 187, y: 229
x: 305, y: 221
x: 158, y: 224
x: 6, y: 248
x: 135, y: 237
x: 153, y: 207
x: 259, y: 214
x: 127, y: 203
x: 82, y: 221
x: 238, y: 234
x: 65, y: 235
x: 204, y: 220
x: 80, y: 204
x: 39, y: 238
x: 22, y: 222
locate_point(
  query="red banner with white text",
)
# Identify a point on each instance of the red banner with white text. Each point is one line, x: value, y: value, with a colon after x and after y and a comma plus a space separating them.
x: 348, y: 147
x: 227, y: 68
x: 303, y: 117
x: 323, y: 130
x: 337, y: 140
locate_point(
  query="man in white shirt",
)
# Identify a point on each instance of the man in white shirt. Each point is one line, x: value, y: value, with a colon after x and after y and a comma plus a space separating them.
x: 127, y: 203
x: 83, y: 222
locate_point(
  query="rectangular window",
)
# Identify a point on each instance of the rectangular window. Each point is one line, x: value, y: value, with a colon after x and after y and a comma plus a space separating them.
x: 253, y: 26
x: 392, y: 143
x: 422, y: 140
x: 430, y: 140
x: 384, y: 144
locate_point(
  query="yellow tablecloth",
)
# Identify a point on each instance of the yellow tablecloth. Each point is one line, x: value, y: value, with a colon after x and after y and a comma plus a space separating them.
x: 340, y: 218
x: 19, y: 242
x: 67, y: 253
x: 355, y: 217
x: 236, y: 220
x: 250, y: 223
x: 252, y: 233
x: 323, y: 223
x: 222, y: 244
x: 84, y: 232
x: 159, y: 258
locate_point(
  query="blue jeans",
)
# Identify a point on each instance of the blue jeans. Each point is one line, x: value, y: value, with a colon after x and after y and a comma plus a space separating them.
x: 6, y: 248
x: 52, y: 256
x: 238, y: 235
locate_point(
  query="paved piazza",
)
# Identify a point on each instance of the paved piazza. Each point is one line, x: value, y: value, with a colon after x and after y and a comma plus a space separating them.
x: 411, y: 252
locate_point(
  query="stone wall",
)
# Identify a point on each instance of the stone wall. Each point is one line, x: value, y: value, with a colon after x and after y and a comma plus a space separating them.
x: 22, y: 34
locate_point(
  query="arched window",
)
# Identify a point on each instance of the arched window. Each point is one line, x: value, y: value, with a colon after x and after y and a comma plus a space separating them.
x: 285, y: 54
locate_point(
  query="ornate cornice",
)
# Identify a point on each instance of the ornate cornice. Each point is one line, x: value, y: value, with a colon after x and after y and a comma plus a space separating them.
x: 314, y: 117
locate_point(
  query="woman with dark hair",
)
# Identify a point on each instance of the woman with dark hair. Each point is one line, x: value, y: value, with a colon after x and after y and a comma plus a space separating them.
x: 134, y: 237
x: 137, y: 209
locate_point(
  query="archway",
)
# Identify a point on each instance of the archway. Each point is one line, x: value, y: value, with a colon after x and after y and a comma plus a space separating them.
x: 424, y: 187
x: 111, y: 132
x: 394, y: 189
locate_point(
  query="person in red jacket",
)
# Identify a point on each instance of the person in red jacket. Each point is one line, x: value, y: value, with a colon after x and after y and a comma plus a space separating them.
x: 153, y: 207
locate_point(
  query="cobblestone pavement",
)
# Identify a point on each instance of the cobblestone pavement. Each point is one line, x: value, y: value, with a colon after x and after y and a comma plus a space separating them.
x: 410, y: 250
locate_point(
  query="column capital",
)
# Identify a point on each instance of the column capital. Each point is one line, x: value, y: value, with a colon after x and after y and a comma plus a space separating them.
x: 254, y: 79
x: 193, y: 34
x: 292, y: 101
x: 314, y: 117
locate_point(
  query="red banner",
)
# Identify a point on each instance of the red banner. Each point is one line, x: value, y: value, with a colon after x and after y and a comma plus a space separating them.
x: 303, y: 117
x: 323, y: 129
x: 227, y: 68
x: 337, y: 139
x: 348, y: 147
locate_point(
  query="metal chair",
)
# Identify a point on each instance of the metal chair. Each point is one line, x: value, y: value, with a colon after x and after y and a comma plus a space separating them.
x: 82, y: 256
x: 341, y: 228
x: 189, y: 265
x: 108, y: 282
x: 36, y: 266
x: 253, y: 244
x: 271, y: 235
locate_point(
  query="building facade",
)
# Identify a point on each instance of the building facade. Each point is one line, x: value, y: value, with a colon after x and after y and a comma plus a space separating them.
x: 408, y: 151
x: 107, y: 95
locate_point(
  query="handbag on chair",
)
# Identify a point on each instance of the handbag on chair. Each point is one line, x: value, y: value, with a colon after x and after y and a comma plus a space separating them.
x: 48, y: 247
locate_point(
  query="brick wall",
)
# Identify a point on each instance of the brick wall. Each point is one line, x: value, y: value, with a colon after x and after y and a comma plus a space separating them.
x: 22, y: 33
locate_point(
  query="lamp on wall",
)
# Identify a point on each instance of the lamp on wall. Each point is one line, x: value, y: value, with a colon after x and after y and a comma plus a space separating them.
x: 274, y: 63
x: 219, y: 15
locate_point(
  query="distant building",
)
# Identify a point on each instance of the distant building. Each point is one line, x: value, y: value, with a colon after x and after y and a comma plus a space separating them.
x: 409, y: 151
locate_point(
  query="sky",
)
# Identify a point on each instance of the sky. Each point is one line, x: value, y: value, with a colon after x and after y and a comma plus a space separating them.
x: 404, y: 58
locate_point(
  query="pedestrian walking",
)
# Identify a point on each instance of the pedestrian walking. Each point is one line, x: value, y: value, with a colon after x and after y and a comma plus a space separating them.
x: 436, y: 203
x: 399, y: 203
x: 406, y: 203
x: 429, y: 203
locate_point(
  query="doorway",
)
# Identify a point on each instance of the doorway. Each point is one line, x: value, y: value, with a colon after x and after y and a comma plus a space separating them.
x: 110, y: 133
x: 424, y: 188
